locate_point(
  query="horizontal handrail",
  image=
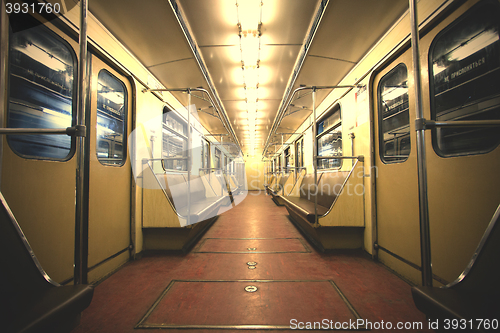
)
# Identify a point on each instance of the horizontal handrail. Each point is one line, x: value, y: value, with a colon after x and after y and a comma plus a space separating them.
x: 298, y: 168
x: 218, y: 107
x: 423, y: 123
x: 285, y: 104
x: 360, y: 157
x: 216, y: 169
x: 170, y: 158
x: 79, y: 130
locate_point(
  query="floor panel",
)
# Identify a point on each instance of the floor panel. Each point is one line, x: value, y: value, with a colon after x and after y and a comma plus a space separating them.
x: 253, y: 245
x: 270, y: 304
x: 203, y: 291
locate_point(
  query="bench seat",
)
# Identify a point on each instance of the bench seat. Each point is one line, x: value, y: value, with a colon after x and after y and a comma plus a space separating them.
x: 201, y: 206
x: 304, y: 207
x: 277, y: 190
x: 329, y: 186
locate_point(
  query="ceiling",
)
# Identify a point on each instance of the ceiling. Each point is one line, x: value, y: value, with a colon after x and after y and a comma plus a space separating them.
x: 345, y: 32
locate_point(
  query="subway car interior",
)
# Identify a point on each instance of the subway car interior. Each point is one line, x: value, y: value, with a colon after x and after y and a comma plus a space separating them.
x: 250, y: 165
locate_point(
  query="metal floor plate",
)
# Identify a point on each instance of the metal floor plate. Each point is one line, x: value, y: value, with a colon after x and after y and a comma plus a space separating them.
x: 272, y: 305
x: 252, y: 245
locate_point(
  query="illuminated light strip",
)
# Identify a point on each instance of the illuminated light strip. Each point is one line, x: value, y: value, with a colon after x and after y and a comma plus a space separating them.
x: 249, y: 23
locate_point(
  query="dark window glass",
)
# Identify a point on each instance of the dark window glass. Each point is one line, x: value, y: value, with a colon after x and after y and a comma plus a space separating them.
x: 287, y: 159
x: 394, y: 117
x: 205, y: 156
x: 111, y: 119
x: 174, y: 142
x: 299, y: 153
x: 329, y: 139
x: 41, y: 80
x: 464, y: 66
x: 217, y: 158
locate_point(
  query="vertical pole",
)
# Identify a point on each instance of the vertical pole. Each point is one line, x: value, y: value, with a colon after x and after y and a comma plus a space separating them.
x: 315, y: 157
x: 189, y: 158
x: 352, y: 136
x: 425, y: 245
x: 80, y: 148
x: 282, y: 157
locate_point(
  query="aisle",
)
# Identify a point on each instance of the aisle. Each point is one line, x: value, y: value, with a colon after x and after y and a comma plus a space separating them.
x: 253, y: 246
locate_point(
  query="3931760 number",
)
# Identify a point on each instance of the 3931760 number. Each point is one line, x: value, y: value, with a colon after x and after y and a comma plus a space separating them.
x: 25, y: 8
x: 463, y: 324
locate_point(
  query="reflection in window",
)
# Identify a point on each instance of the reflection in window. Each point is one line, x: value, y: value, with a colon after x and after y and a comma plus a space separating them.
x: 465, y: 75
x: 287, y: 160
x: 111, y: 119
x: 217, y: 158
x: 329, y: 139
x: 394, y: 118
x: 41, y: 81
x: 299, y: 153
x: 205, y: 157
x: 174, y: 139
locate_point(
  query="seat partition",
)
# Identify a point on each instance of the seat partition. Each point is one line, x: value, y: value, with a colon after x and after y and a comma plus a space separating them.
x: 337, y: 201
x: 29, y: 300
x: 475, y: 294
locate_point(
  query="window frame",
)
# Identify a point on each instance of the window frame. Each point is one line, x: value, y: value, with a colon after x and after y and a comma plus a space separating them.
x: 218, y: 166
x: 335, y: 108
x: 287, y: 154
x: 125, y: 122
x: 36, y: 24
x: 299, y: 158
x: 380, y: 119
x: 166, y: 112
x: 205, y: 160
x: 474, y: 10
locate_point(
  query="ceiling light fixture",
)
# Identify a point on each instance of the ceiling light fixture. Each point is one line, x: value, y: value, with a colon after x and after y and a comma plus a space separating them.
x: 249, y: 14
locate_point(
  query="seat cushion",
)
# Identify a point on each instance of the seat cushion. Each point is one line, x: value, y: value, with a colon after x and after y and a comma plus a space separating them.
x: 201, y: 210
x: 304, y: 208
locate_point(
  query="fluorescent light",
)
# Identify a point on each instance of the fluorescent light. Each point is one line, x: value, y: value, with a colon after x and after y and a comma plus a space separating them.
x: 251, y: 76
x: 392, y: 93
x: 249, y: 19
x: 249, y: 14
x: 252, y: 95
x: 250, y: 46
x: 37, y: 53
x: 473, y: 45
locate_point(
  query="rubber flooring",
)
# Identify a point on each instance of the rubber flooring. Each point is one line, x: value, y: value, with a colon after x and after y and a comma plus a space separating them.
x: 290, y: 285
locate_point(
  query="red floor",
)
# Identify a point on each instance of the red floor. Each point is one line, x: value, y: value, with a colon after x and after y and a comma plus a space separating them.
x: 204, y: 290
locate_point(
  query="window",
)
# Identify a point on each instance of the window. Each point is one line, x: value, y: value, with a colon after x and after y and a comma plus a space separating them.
x: 287, y: 160
x: 42, y: 68
x: 218, y: 156
x: 205, y: 156
x: 174, y: 141
x: 394, y: 117
x: 111, y: 119
x: 329, y: 138
x: 464, y: 71
x: 299, y: 152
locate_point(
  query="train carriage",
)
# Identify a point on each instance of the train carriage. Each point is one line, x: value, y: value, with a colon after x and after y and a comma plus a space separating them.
x: 250, y: 165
